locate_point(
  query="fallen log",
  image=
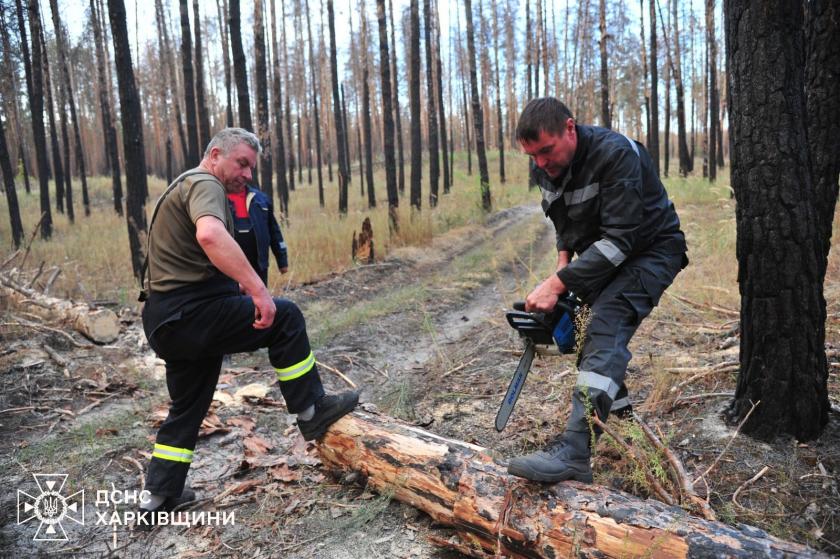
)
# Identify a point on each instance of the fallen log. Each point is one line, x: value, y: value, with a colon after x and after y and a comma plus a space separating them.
x: 99, y: 325
x: 459, y: 485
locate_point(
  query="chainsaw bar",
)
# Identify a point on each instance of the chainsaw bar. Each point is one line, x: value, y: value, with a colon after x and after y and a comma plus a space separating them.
x: 515, y: 387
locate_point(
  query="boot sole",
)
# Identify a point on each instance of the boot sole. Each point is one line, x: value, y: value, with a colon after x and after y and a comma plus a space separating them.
x: 534, y: 475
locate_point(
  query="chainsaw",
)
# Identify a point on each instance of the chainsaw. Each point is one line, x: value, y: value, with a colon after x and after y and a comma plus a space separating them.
x: 538, y: 329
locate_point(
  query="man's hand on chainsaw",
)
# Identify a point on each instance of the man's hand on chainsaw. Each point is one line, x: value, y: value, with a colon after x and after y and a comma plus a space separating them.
x: 544, y: 297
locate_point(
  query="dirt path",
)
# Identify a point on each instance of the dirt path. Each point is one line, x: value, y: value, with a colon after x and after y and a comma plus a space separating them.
x: 423, y: 335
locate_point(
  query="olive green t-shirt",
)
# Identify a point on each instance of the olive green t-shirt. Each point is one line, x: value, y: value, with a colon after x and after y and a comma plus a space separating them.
x: 175, y: 257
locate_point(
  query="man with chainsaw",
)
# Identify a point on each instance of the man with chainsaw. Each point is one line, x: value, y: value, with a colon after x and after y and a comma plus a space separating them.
x: 603, y: 194
x: 195, y: 313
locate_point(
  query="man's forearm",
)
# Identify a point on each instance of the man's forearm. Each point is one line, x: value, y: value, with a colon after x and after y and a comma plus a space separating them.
x: 563, y: 258
x: 226, y: 255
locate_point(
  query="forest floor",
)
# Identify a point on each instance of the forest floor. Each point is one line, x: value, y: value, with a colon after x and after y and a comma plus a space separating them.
x: 422, y: 333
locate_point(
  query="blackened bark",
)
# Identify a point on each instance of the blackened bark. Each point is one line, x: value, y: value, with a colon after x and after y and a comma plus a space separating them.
x: 36, y: 104
x: 340, y: 130
x: 397, y: 115
x: 779, y: 248
x: 59, y: 167
x: 414, y: 103
x: 606, y: 121
x: 686, y: 164
x: 166, y: 53
x: 478, y: 119
x: 441, y: 110
x: 500, y: 137
x: 27, y: 68
x: 189, y: 84
x: 822, y: 103
x: 431, y: 109
x: 11, y: 191
x: 223, y: 32
x: 200, y: 102
x: 712, y: 88
x: 366, y: 124
x: 62, y: 47
x: 261, y: 78
x: 282, y: 185
x: 346, y: 134
x: 111, y: 147
x: 387, y: 120
x: 316, y: 111
x: 240, y: 71
x: 132, y: 133
x: 290, y: 150
x: 653, y: 141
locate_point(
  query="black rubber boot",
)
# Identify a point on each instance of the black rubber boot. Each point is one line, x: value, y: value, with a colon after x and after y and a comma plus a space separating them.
x: 328, y: 410
x: 565, y: 458
x: 148, y: 519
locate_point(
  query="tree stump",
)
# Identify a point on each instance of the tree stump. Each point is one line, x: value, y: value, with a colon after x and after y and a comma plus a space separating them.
x: 459, y: 485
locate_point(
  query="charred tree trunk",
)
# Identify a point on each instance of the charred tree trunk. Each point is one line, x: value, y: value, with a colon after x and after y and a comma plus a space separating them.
x: 163, y: 32
x: 11, y: 191
x: 387, y: 120
x: 366, y: 124
x: 780, y: 245
x: 653, y: 142
x: 461, y: 486
x: 261, y: 79
x: 290, y: 150
x: 478, y: 119
x: 431, y: 109
x: 240, y: 70
x: 686, y: 164
x: 397, y: 115
x: 444, y: 148
x: 500, y: 133
x: 77, y: 137
x: 111, y: 148
x: 189, y: 84
x: 712, y: 85
x: 645, y: 71
x: 340, y: 125
x: 204, y: 133
x: 62, y: 179
x: 282, y: 185
x: 36, y: 104
x: 606, y: 121
x: 315, y: 110
x: 132, y: 132
x: 223, y: 35
x: 414, y: 103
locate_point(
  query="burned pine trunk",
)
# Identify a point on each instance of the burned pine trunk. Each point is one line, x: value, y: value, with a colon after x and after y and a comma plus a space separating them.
x: 189, y: 84
x: 431, y: 109
x: 132, y: 133
x: 11, y: 191
x: 261, y: 79
x: 282, y: 185
x: 387, y: 120
x: 460, y: 486
x: 478, y: 119
x: 338, y: 116
x: 204, y: 134
x: 240, y: 72
x: 36, y: 104
x: 414, y: 103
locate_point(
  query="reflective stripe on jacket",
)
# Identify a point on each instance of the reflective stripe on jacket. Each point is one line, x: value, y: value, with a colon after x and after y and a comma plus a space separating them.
x: 608, y: 206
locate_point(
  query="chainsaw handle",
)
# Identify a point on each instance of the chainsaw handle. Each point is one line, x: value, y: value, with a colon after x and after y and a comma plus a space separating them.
x: 519, y: 305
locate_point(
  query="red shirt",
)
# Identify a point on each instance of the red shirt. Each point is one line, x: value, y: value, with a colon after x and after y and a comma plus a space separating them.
x: 239, y: 200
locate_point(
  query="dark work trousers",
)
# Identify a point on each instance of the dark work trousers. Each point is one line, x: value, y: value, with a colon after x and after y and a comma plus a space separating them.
x: 617, y: 312
x: 192, y: 332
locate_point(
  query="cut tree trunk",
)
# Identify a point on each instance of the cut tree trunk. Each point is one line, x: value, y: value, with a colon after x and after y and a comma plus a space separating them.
x: 99, y: 325
x: 459, y: 485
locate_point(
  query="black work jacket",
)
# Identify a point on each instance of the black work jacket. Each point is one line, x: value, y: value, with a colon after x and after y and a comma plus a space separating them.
x: 608, y: 207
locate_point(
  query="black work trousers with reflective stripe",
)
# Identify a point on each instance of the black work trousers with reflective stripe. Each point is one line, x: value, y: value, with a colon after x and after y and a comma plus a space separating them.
x: 192, y: 338
x: 616, y: 314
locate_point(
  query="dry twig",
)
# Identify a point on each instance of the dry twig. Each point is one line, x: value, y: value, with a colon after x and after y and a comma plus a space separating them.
x: 745, y: 484
x: 654, y: 483
x: 737, y: 430
x: 338, y: 373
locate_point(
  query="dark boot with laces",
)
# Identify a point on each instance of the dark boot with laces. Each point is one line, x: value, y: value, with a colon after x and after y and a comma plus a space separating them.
x: 567, y: 457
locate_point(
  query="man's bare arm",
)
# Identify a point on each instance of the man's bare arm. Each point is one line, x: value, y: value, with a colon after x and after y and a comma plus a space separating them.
x: 226, y: 255
x: 545, y: 296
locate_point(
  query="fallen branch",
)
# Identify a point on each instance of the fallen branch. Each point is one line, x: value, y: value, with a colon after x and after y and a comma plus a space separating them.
x: 745, y: 484
x: 735, y: 434
x: 651, y: 479
x: 338, y: 373
x: 679, y: 470
x: 703, y: 305
x: 460, y: 486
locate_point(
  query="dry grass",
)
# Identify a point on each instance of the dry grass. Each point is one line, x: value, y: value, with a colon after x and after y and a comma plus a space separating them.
x: 94, y: 256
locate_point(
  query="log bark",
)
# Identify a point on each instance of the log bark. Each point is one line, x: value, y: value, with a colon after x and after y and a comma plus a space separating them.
x: 98, y: 325
x: 459, y: 485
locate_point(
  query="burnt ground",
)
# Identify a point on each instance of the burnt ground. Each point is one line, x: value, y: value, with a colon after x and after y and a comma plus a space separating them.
x: 422, y: 333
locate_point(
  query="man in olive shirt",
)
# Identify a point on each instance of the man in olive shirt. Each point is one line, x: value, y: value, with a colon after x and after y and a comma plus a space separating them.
x: 204, y: 301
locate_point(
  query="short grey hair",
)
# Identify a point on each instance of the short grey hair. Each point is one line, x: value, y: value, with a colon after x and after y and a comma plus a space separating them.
x: 228, y: 138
